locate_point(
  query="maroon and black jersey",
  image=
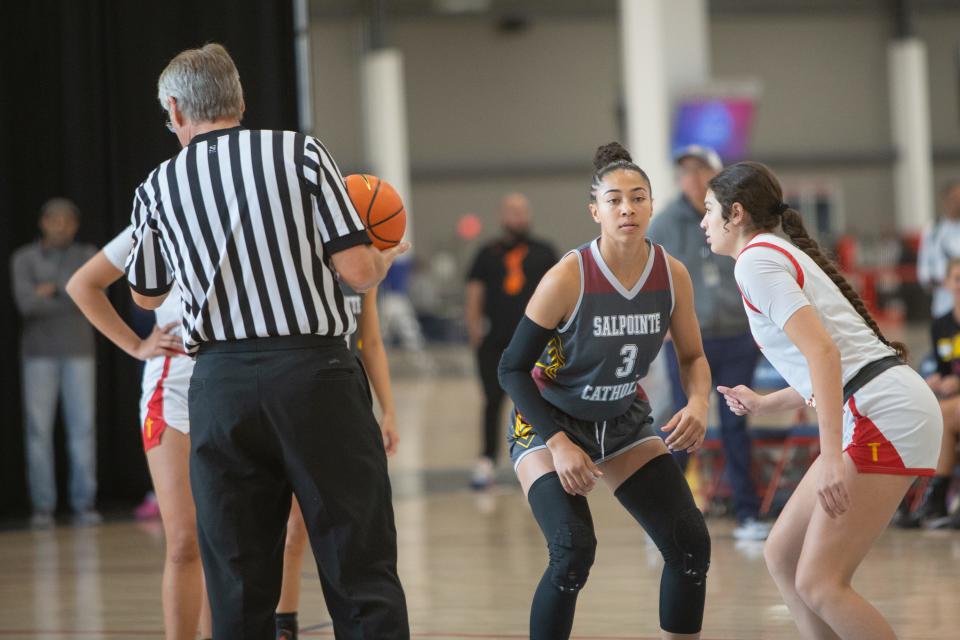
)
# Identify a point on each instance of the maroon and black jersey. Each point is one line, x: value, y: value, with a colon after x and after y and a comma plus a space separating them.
x: 591, y: 366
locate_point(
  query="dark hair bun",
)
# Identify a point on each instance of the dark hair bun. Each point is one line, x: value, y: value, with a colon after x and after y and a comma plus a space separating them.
x: 609, y: 153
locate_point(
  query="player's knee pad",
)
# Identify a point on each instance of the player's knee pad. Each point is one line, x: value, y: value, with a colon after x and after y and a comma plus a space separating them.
x: 683, y: 586
x: 572, y: 550
x: 657, y: 495
x: 568, y: 529
x: 684, y: 542
x: 691, y: 557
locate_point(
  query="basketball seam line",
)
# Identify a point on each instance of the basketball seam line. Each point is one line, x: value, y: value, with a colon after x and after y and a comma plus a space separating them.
x: 381, y: 238
x: 388, y: 218
x: 372, y: 199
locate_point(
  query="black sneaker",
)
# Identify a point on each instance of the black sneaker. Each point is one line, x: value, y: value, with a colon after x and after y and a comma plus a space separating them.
x: 932, y: 514
x: 286, y: 624
x: 902, y: 519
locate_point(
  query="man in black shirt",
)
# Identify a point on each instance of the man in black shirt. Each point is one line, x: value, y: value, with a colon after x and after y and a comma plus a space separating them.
x: 501, y: 280
x: 945, y: 382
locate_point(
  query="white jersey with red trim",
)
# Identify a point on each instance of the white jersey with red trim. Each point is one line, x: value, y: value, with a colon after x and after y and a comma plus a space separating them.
x: 777, y: 279
x: 893, y: 425
x: 117, y: 250
x: 163, y: 399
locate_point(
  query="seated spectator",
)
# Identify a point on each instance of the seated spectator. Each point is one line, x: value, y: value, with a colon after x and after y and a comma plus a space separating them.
x: 940, y: 244
x: 945, y: 382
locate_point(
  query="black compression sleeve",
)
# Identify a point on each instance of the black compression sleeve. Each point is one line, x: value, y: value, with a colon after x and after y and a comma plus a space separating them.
x: 519, y: 358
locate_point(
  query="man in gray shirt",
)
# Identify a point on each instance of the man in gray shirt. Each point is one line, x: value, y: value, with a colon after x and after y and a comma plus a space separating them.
x: 731, y: 350
x: 57, y: 351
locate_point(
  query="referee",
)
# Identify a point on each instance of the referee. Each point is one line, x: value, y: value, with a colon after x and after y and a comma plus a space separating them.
x: 254, y: 228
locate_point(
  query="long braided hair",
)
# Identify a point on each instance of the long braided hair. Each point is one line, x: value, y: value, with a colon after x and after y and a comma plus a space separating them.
x: 757, y: 189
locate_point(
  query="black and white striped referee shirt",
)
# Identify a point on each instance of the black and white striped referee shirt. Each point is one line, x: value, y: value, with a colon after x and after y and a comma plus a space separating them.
x: 244, y: 222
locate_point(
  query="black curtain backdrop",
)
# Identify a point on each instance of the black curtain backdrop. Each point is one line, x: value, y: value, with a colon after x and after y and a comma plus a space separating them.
x: 79, y: 118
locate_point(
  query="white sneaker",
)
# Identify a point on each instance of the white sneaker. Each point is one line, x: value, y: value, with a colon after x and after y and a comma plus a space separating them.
x: 752, y: 529
x: 482, y: 474
x: 41, y: 520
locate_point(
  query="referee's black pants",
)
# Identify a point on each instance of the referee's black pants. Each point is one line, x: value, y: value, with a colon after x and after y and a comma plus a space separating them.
x: 273, y: 415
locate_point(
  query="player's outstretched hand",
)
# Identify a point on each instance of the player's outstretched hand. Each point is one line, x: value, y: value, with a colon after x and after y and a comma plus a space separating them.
x: 741, y: 399
x: 689, y: 427
x: 578, y: 474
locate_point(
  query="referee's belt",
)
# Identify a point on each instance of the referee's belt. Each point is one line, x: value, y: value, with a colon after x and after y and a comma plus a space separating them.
x: 274, y: 343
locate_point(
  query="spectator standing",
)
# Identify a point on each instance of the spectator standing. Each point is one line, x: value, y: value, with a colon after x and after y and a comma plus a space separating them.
x: 501, y: 280
x: 58, y: 360
x: 730, y: 348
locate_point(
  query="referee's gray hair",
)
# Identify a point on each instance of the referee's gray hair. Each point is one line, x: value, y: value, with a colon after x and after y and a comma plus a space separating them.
x: 205, y: 84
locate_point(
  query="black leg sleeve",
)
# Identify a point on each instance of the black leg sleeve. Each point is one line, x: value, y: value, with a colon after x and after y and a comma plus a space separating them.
x: 658, y: 497
x: 568, y: 528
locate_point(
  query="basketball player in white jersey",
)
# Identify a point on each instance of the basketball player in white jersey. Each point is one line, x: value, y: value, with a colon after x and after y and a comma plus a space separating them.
x: 164, y: 412
x: 165, y: 426
x: 880, y: 425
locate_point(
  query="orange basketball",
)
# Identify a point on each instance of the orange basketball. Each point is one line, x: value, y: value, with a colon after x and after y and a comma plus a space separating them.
x: 380, y: 208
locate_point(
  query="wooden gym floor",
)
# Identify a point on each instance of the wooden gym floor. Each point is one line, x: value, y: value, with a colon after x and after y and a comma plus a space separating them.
x: 469, y: 561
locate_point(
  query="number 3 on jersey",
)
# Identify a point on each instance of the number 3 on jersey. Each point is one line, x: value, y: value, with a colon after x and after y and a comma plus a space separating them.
x: 629, y: 353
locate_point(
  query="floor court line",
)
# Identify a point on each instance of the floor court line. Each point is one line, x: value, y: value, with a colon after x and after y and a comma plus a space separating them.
x: 314, y: 630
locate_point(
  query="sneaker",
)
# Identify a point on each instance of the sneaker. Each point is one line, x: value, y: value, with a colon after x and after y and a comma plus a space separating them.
x: 932, y: 514
x: 752, y: 529
x: 42, y: 520
x: 286, y: 625
x: 482, y: 477
x: 903, y: 519
x: 88, y: 518
x: 954, y: 521
x: 149, y: 509
x: 940, y: 522
x: 752, y: 549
